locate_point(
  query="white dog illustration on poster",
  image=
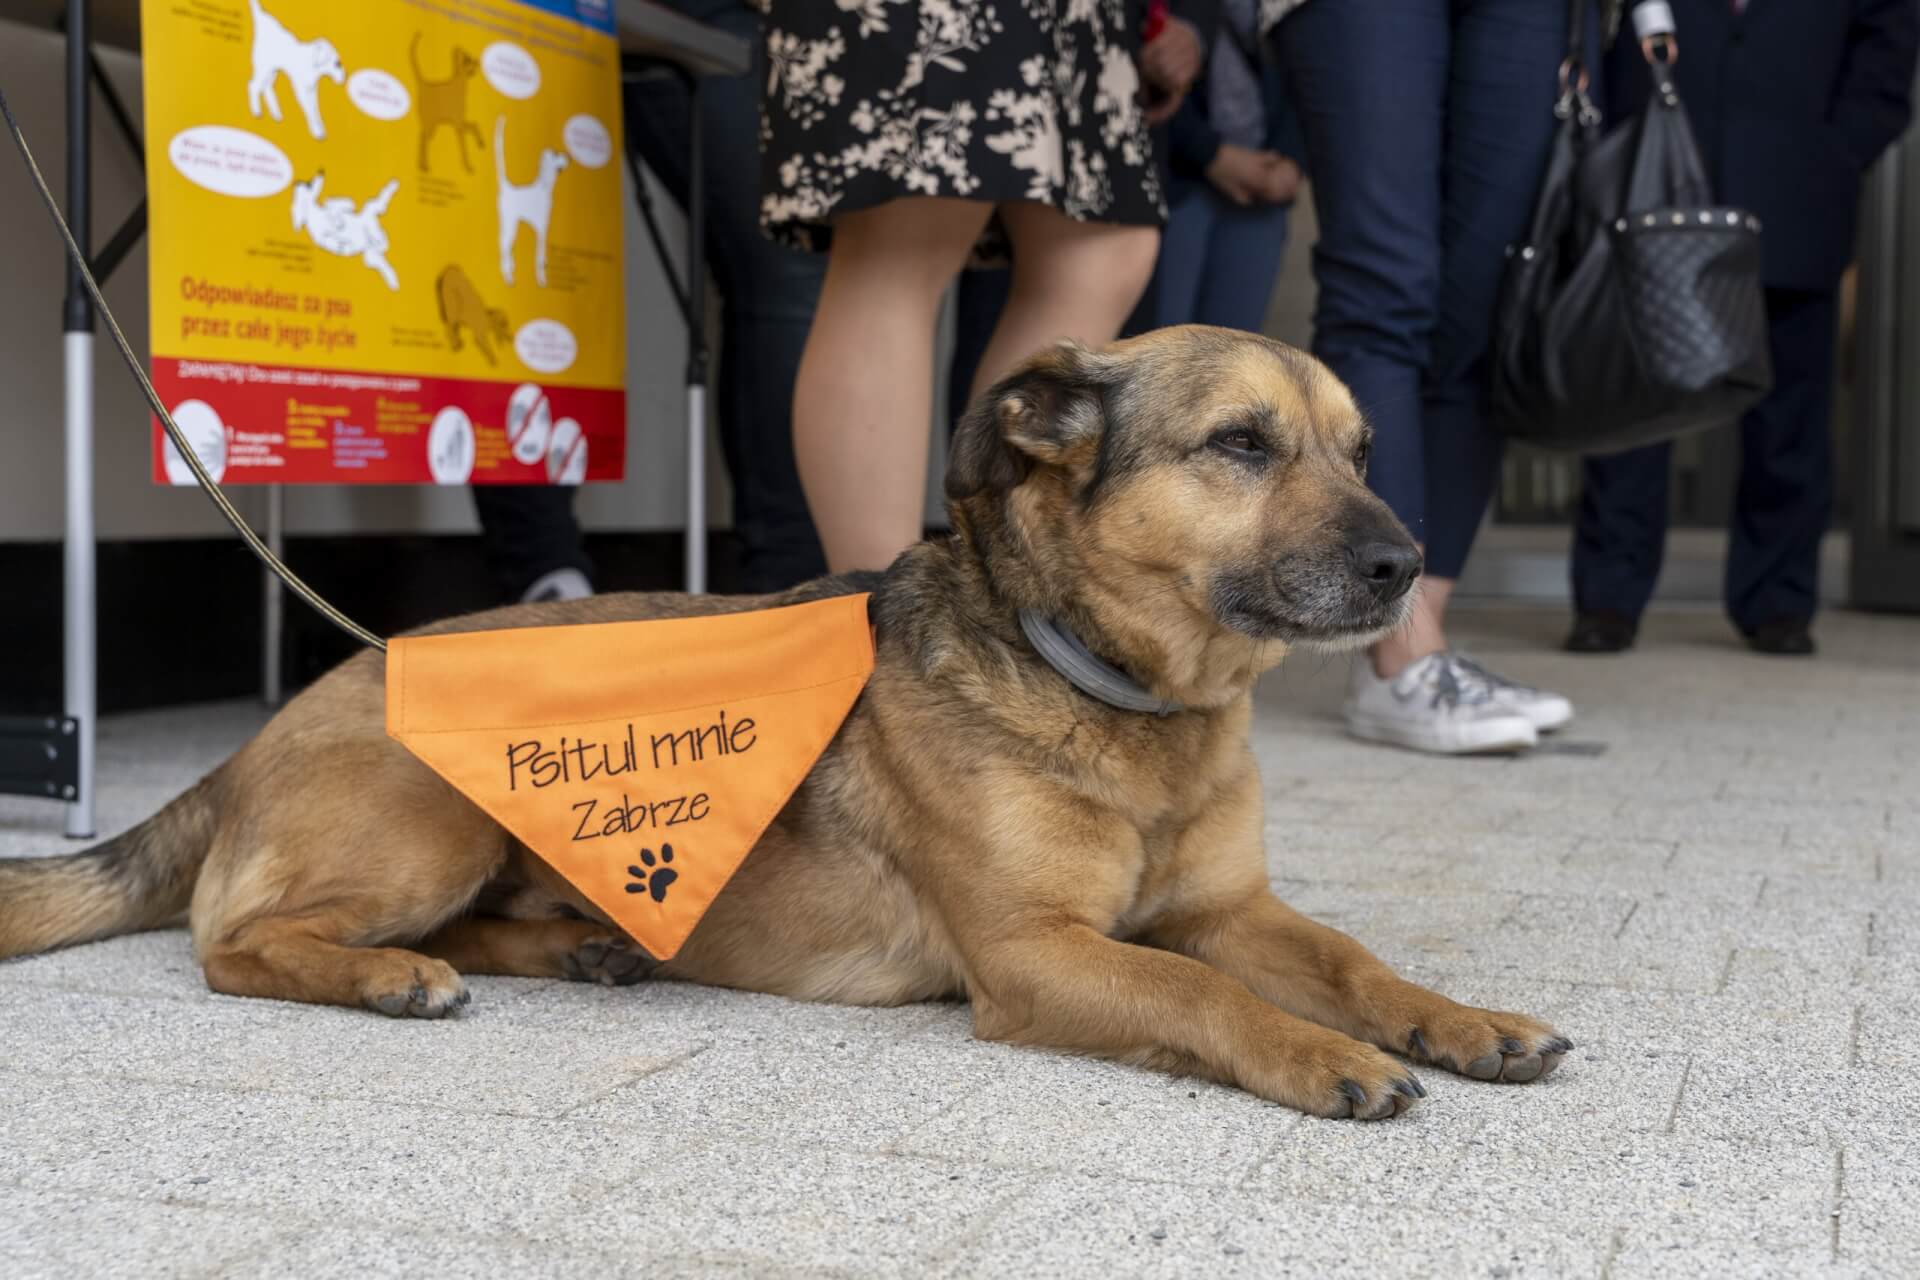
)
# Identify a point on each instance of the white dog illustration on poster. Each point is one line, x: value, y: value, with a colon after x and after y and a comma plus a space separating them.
x: 531, y: 204
x: 338, y: 227
x: 305, y: 63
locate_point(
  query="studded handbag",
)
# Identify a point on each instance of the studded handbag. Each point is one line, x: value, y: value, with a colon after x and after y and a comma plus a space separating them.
x: 1633, y: 311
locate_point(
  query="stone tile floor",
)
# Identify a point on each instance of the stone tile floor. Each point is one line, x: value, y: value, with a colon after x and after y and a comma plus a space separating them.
x: 1712, y: 883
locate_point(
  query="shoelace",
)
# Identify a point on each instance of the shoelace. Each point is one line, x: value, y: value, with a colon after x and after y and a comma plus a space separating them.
x: 1443, y: 678
x: 1492, y: 678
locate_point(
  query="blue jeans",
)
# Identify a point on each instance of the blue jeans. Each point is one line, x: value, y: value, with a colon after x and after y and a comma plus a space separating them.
x: 1218, y: 260
x: 768, y: 293
x: 1428, y: 124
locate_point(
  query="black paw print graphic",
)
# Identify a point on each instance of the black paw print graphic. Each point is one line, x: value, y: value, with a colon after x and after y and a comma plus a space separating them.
x: 655, y: 876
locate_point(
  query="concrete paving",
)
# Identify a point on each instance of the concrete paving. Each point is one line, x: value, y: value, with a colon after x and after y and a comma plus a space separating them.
x: 1711, y: 882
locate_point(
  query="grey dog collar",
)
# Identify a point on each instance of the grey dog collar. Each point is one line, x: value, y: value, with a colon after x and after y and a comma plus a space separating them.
x: 1086, y: 671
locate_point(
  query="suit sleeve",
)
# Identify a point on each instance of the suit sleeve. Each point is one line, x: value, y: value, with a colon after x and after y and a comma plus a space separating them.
x: 1873, y: 100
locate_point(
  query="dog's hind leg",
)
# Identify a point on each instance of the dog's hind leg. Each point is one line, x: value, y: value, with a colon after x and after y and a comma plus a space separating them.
x: 297, y: 958
x: 583, y: 950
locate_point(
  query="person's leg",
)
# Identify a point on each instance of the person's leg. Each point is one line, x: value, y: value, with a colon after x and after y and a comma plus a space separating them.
x: 864, y: 394
x: 1243, y: 261
x: 1369, y: 83
x: 1071, y: 279
x: 1499, y: 128
x: 1785, y: 498
x: 768, y: 293
x: 529, y: 535
x: 981, y: 295
x: 1173, y: 294
x: 1620, y: 534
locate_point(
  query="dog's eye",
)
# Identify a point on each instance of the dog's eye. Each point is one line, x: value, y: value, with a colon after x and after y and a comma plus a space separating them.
x: 1361, y: 456
x: 1240, y: 441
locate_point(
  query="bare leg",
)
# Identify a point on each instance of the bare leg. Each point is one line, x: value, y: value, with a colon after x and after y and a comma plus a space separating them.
x: 1071, y: 279
x: 1425, y: 632
x: 863, y: 397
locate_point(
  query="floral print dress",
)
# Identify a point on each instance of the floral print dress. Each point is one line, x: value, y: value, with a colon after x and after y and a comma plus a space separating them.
x: 993, y: 100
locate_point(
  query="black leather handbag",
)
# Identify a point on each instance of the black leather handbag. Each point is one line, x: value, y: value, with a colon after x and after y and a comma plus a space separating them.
x: 1633, y: 311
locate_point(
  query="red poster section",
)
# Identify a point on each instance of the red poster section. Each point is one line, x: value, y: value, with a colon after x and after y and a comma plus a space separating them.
x: 268, y: 424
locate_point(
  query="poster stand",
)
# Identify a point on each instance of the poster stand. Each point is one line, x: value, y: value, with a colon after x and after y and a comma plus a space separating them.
x: 648, y: 32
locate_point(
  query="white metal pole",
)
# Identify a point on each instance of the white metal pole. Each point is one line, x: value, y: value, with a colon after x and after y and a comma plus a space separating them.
x: 273, y: 607
x: 80, y: 602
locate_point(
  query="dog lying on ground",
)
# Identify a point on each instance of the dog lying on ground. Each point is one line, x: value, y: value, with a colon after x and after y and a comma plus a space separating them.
x: 1189, y: 503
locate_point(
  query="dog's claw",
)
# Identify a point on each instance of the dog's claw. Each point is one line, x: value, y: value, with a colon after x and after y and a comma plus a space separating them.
x: 1417, y: 1045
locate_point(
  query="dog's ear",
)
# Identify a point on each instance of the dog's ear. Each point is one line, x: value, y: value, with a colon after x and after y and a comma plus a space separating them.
x: 1049, y: 411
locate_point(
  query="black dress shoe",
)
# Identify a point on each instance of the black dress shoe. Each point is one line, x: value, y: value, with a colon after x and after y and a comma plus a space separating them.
x: 1786, y: 637
x: 1602, y: 631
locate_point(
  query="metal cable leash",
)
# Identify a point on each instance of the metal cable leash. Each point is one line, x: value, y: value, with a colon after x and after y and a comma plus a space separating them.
x: 213, y: 491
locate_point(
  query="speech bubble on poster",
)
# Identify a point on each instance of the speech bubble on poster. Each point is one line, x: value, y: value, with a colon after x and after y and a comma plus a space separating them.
x: 587, y: 141
x: 511, y: 70
x: 378, y: 95
x: 546, y: 346
x: 230, y: 162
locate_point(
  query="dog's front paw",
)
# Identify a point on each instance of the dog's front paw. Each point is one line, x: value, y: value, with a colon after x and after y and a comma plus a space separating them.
x: 1354, y: 1081
x: 1487, y: 1045
x: 410, y: 986
x: 607, y: 960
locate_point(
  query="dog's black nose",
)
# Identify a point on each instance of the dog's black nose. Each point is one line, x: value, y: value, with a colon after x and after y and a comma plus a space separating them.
x: 1388, y: 567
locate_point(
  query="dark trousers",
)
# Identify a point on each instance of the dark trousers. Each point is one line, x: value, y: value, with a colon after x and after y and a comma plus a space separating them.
x: 1218, y: 260
x: 1428, y: 124
x: 528, y: 531
x: 1782, y: 505
x: 768, y: 294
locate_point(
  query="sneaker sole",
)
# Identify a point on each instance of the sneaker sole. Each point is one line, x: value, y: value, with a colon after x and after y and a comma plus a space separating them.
x: 1504, y: 736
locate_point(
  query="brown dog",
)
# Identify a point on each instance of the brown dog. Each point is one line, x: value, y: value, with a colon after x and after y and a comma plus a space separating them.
x: 444, y: 102
x: 461, y: 305
x: 1189, y: 503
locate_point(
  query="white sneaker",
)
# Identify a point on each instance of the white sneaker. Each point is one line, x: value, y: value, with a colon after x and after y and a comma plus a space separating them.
x: 1434, y: 705
x: 1548, y: 711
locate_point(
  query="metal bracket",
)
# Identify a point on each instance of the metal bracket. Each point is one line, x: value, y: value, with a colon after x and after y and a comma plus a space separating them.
x: 40, y: 756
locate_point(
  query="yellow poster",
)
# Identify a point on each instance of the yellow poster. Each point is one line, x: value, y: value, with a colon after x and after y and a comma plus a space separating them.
x: 386, y: 239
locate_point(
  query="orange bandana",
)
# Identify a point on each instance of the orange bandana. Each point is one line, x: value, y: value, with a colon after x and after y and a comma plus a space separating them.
x: 641, y: 760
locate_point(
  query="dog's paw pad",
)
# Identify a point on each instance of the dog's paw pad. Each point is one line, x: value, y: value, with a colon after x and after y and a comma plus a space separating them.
x: 609, y: 961
x: 654, y: 875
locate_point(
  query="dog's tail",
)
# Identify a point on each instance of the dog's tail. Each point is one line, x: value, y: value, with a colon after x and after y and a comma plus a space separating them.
x: 140, y: 879
x: 413, y: 55
x: 500, y: 148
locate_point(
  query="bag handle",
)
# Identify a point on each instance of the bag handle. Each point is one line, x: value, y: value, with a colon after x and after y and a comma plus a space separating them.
x: 1575, y: 76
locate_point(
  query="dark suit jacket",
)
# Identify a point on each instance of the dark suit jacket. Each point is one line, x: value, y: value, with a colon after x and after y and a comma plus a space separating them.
x: 1791, y: 102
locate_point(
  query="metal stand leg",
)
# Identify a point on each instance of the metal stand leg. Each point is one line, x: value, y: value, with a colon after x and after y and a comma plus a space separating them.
x: 696, y: 349
x: 80, y: 601
x: 273, y: 614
